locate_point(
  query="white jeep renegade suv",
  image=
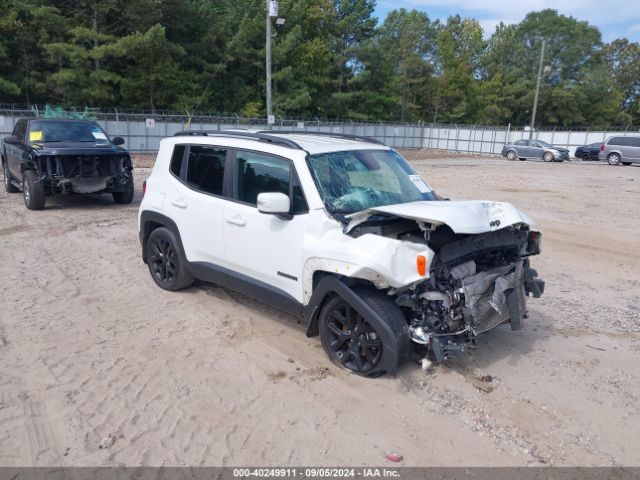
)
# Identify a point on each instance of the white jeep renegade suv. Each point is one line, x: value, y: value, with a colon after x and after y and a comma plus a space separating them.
x: 341, y: 232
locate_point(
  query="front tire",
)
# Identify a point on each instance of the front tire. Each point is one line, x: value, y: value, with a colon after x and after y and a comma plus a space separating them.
x: 33, y: 191
x: 614, y: 159
x: 166, y: 262
x: 8, y: 186
x: 349, y: 340
x: 548, y: 157
x: 511, y: 155
x: 125, y: 197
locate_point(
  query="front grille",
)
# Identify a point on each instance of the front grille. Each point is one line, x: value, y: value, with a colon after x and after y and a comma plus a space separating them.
x: 83, y: 166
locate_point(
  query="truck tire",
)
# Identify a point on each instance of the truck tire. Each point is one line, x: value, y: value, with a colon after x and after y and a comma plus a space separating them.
x: 8, y: 186
x: 349, y: 340
x: 126, y: 196
x: 33, y: 191
x: 167, y: 264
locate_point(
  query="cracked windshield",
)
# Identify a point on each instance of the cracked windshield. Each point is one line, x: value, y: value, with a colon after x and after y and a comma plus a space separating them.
x: 352, y: 181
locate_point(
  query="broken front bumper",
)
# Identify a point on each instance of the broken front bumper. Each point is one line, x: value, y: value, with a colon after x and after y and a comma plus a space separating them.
x: 498, y: 296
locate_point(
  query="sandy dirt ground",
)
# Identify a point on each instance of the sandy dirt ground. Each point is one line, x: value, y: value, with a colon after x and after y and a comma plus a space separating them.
x: 98, y: 366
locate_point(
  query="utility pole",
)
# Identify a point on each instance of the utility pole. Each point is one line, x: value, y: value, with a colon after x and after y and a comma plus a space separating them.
x: 268, y: 67
x: 535, y: 99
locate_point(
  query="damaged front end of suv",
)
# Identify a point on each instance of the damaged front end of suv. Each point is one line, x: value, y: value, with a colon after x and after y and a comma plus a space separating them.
x: 477, y: 272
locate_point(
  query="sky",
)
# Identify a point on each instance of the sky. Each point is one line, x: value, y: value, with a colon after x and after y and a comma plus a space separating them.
x: 614, y: 18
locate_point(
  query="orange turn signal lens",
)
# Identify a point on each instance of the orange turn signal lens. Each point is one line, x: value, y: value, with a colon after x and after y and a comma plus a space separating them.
x: 421, y: 264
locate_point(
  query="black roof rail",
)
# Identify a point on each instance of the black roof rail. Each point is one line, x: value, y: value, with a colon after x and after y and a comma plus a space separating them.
x: 259, y: 136
x: 346, y: 136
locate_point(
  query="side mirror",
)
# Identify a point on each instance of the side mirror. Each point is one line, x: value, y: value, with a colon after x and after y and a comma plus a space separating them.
x: 274, y: 203
x: 118, y: 141
x: 11, y: 140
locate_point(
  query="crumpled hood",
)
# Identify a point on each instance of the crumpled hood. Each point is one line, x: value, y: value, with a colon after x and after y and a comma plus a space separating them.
x: 77, y: 148
x: 468, y: 216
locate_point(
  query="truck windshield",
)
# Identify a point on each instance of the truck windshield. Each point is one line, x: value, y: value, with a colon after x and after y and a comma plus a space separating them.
x: 352, y: 181
x: 66, y: 131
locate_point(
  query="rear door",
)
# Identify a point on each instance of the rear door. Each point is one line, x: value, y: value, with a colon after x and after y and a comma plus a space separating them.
x: 632, y: 150
x: 264, y: 251
x: 197, y: 203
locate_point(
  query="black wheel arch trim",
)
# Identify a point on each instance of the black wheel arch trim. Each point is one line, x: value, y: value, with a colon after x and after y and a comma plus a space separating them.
x: 396, y: 344
x: 148, y: 217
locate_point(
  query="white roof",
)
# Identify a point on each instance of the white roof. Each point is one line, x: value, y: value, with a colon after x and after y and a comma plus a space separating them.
x: 322, y: 142
x: 315, y: 144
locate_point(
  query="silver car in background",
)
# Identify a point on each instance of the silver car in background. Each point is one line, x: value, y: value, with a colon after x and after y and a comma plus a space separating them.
x: 623, y: 150
x: 526, y: 149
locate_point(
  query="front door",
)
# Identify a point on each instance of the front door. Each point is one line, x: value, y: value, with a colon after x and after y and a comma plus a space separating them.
x: 265, y: 251
x: 14, y: 151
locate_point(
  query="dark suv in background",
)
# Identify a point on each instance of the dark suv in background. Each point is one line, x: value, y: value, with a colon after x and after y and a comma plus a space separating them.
x: 623, y: 150
x: 51, y: 156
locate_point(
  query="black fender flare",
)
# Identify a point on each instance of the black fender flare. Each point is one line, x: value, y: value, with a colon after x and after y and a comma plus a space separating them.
x: 147, y: 217
x: 397, y: 344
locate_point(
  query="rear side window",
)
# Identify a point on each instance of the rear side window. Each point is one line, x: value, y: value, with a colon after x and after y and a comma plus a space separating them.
x: 616, y: 141
x: 521, y: 142
x: 177, y: 159
x: 205, y: 169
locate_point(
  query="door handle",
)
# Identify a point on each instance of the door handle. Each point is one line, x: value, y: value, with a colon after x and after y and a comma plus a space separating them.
x: 237, y: 220
x: 180, y: 203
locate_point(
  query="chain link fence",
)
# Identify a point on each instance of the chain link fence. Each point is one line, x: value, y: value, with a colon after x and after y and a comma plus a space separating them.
x: 143, y: 131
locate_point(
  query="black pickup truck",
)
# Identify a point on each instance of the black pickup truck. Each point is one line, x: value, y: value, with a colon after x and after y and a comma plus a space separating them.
x: 54, y: 156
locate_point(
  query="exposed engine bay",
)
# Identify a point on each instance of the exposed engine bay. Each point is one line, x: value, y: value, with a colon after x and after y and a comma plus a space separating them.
x: 86, y: 173
x: 476, y: 281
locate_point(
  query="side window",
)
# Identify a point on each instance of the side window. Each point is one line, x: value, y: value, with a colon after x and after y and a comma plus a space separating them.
x: 177, y: 159
x: 521, y: 142
x: 259, y: 173
x: 20, y: 130
x: 634, y: 141
x: 205, y: 168
x: 616, y: 141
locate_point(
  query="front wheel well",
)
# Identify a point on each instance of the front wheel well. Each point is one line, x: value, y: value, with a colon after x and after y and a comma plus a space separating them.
x: 319, y: 296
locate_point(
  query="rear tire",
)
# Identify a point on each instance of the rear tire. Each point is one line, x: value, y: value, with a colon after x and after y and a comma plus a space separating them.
x: 511, y: 155
x: 33, y: 191
x: 349, y: 340
x: 126, y: 196
x: 167, y: 264
x: 8, y: 186
x: 614, y: 159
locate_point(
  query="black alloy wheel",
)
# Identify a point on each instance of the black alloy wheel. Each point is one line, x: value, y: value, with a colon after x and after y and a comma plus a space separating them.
x: 348, y: 338
x: 162, y: 260
x: 167, y: 264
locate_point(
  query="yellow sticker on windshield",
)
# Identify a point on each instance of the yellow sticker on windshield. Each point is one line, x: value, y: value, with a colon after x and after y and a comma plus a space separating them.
x: 35, y: 136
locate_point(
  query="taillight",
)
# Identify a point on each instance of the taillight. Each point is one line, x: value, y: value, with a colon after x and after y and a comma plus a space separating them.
x: 534, y: 242
x: 602, y: 147
x: 144, y: 187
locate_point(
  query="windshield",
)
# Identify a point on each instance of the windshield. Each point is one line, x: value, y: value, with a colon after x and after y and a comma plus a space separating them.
x: 66, y: 131
x: 544, y: 144
x: 352, y: 181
